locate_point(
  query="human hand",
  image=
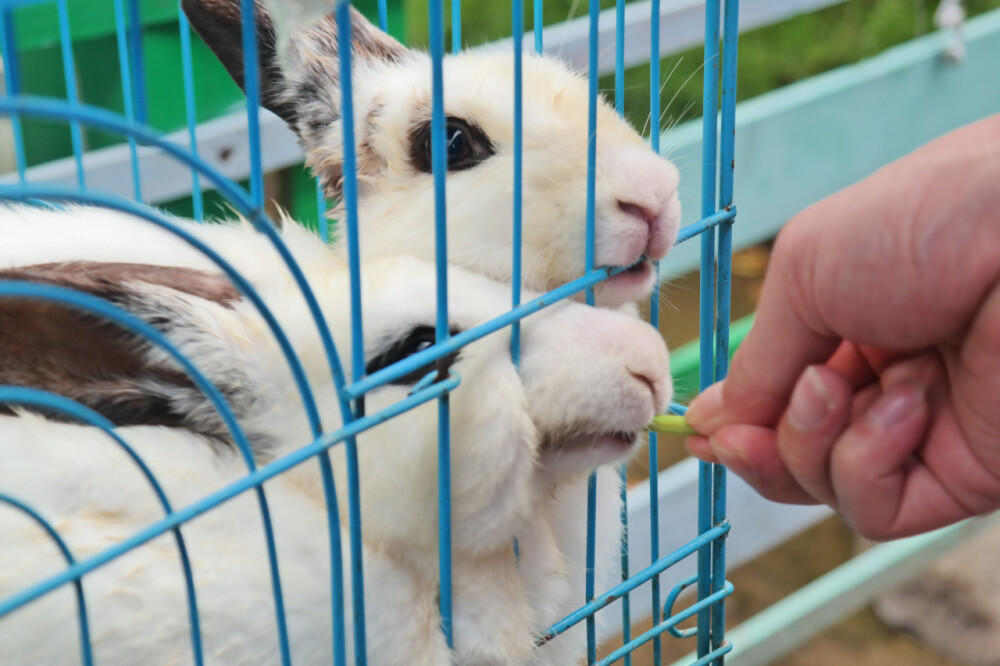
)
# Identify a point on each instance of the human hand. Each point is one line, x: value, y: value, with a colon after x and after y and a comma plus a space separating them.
x: 870, y: 380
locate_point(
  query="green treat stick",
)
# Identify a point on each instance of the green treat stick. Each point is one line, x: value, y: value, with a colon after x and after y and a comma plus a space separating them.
x: 671, y: 423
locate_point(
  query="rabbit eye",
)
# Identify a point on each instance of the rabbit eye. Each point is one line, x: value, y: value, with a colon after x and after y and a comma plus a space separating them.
x: 466, y: 145
x: 416, y: 340
x: 459, y: 147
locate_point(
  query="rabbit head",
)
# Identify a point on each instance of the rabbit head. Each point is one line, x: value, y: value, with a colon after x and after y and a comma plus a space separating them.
x: 588, y: 379
x: 637, y: 211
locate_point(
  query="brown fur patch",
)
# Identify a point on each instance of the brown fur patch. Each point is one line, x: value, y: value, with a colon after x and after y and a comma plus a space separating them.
x: 57, y: 348
x: 97, y: 278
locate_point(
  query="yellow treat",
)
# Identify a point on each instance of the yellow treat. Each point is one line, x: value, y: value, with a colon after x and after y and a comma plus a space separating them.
x: 671, y: 423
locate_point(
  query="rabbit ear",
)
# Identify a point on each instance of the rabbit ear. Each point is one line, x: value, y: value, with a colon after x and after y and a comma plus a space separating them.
x: 115, y: 372
x: 219, y: 22
x: 303, y: 85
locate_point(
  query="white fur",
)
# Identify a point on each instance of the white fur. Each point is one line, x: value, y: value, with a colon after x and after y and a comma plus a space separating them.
x: 583, y: 372
x: 396, y: 203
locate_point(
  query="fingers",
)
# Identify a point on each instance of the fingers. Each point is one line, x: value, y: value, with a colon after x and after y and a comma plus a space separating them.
x: 835, y: 445
x: 875, y: 454
x: 792, y: 464
x: 752, y: 453
x: 872, y: 467
x: 863, y: 469
x: 818, y: 413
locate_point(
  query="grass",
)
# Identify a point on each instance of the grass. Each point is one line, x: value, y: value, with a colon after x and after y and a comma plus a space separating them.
x: 769, y: 57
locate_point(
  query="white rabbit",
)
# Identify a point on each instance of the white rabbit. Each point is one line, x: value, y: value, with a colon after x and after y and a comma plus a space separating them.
x: 637, y: 211
x: 523, y: 441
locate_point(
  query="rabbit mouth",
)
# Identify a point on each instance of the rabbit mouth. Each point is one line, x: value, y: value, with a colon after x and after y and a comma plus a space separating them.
x: 633, y: 283
x: 581, y: 452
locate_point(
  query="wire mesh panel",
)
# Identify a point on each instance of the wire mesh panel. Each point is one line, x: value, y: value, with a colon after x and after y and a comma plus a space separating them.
x: 315, y: 68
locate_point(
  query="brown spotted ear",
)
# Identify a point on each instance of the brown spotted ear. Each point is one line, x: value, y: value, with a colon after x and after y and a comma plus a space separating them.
x: 219, y: 23
x: 64, y: 350
x: 303, y: 85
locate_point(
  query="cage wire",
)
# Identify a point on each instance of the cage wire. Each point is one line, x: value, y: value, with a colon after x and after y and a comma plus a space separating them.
x: 130, y: 120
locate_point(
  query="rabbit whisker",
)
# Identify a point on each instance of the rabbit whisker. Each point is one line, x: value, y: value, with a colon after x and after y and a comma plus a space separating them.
x: 663, y: 84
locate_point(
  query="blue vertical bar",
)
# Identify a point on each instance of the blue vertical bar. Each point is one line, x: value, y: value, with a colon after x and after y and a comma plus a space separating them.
x: 620, y: 57
x: 623, y: 469
x: 707, y: 310
x: 251, y: 87
x: 728, y: 140
x: 538, y: 25
x: 623, y: 517
x: 654, y: 320
x: 439, y: 166
x: 72, y: 96
x: 654, y: 77
x: 350, y: 172
x: 654, y: 500
x: 517, y: 19
x: 336, y: 561
x: 595, y: 9
x: 591, y: 562
x: 12, y: 80
x: 187, y: 71
x: 456, y: 26
x: 126, y: 76
x: 251, y: 83
x: 138, y: 61
x: 383, y: 15
x: 723, y: 290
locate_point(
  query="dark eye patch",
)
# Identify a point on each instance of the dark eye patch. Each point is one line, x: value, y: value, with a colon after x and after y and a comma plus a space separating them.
x: 466, y: 145
x: 415, y: 340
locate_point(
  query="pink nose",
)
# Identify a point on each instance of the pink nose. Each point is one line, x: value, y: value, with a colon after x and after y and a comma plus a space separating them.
x: 644, y: 213
x: 656, y: 242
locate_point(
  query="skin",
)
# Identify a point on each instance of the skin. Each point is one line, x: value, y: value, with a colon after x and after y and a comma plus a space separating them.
x: 871, y: 378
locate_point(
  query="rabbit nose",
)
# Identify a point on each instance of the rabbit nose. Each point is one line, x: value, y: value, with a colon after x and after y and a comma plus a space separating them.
x: 653, y: 382
x: 644, y: 213
x: 657, y: 239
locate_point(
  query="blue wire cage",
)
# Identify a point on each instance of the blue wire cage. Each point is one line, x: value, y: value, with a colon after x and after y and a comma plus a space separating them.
x: 130, y: 122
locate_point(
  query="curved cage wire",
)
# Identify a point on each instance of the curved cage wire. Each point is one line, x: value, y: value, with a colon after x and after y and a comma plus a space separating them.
x: 131, y: 124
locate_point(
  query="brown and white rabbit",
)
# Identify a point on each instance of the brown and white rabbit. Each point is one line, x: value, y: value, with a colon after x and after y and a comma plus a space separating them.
x: 523, y: 440
x: 637, y: 211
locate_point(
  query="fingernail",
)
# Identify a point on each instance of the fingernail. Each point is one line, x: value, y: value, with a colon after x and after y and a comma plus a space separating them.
x: 895, y: 405
x: 706, y: 406
x: 811, y: 402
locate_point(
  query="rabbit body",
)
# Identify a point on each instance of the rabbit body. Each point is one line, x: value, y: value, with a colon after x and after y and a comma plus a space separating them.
x: 523, y: 441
